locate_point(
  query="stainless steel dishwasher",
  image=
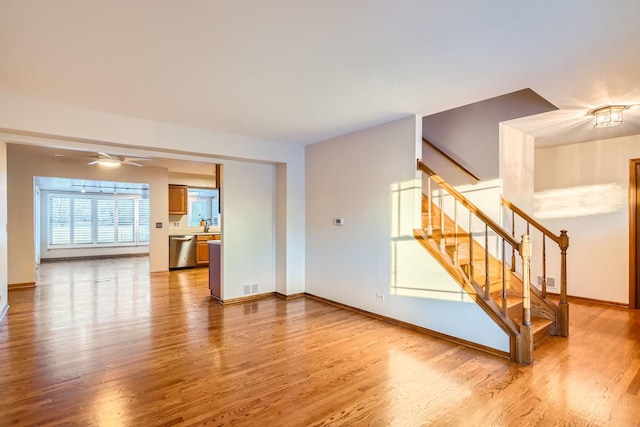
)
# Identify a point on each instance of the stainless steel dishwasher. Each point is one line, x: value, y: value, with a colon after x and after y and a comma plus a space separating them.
x: 182, y: 251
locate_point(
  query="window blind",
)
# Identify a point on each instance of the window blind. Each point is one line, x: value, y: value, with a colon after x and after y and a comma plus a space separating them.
x: 143, y: 220
x: 106, y: 221
x: 59, y: 220
x: 94, y: 220
x: 82, y: 221
x: 126, y: 221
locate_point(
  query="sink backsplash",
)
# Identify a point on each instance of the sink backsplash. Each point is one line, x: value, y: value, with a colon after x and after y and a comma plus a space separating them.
x: 179, y: 224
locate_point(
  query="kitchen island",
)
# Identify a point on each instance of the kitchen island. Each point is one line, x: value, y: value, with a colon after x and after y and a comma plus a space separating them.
x: 215, y: 270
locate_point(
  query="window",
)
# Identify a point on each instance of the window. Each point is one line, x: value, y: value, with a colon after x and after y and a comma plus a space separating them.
x: 143, y: 220
x: 59, y: 221
x: 106, y: 221
x: 203, y: 204
x: 215, y: 210
x: 82, y: 220
x: 197, y: 211
x: 126, y: 221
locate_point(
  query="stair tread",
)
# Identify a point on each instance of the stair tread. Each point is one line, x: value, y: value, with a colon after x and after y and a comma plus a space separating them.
x: 537, y: 323
x: 512, y: 300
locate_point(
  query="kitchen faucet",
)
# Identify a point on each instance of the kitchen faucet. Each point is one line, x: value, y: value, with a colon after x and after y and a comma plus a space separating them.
x: 206, y: 224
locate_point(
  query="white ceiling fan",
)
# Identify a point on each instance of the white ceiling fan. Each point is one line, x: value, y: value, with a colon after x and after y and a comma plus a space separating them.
x: 109, y: 161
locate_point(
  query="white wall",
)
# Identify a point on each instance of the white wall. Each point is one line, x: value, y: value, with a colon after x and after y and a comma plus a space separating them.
x: 598, y: 255
x: 370, y: 179
x: 24, y: 165
x: 30, y: 121
x: 248, y: 228
x: 3, y: 231
x: 516, y: 161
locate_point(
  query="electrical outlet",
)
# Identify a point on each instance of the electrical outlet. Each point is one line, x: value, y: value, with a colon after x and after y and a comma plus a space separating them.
x: 379, y: 296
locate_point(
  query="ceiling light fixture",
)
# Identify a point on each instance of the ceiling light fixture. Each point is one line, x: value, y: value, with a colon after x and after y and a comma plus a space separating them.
x: 109, y: 163
x: 608, y: 116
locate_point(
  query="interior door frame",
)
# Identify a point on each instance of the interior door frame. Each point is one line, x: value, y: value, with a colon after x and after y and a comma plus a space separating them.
x: 634, y: 285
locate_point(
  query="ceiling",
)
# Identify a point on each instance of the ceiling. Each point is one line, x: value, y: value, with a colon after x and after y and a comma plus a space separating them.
x: 304, y: 71
x: 173, y: 165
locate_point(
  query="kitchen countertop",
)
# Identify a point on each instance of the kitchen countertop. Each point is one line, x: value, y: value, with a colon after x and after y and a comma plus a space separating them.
x: 191, y: 233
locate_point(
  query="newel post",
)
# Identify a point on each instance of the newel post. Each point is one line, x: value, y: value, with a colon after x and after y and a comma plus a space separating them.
x: 562, y: 327
x: 525, y: 253
x: 525, y: 341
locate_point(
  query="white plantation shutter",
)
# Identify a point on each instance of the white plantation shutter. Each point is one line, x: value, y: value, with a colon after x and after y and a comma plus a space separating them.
x: 143, y: 220
x: 59, y: 220
x: 106, y: 221
x: 197, y: 212
x: 126, y: 220
x: 215, y: 209
x: 82, y: 221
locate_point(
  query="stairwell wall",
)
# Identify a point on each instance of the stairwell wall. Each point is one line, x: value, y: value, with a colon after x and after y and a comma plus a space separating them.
x: 369, y: 178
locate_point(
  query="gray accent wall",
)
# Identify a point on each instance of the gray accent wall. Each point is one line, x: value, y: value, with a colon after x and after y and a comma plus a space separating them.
x: 470, y: 134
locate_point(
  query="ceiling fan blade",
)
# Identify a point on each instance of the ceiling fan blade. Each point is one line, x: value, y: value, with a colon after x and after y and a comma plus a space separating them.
x: 93, y: 163
x: 126, y: 162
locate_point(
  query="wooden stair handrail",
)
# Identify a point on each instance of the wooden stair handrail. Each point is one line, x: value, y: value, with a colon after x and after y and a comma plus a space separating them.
x: 472, y: 208
x: 550, y: 234
x: 451, y: 160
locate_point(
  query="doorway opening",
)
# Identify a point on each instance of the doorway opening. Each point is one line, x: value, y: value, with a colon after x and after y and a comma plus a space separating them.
x: 86, y: 220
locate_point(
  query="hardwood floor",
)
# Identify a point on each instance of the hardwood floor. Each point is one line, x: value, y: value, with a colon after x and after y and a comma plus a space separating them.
x: 110, y: 346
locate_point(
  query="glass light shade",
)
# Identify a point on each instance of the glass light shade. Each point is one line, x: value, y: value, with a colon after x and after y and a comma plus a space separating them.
x: 109, y: 163
x: 608, y: 116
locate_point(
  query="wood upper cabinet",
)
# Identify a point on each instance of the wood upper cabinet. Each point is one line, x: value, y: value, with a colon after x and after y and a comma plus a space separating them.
x: 177, y: 199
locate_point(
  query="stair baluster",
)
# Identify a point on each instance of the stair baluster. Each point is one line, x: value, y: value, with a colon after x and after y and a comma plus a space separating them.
x: 442, y: 231
x: 487, y: 283
x: 470, y: 245
x: 429, y: 210
x: 504, y: 281
x: 544, y: 267
x: 513, y: 234
x: 455, y: 233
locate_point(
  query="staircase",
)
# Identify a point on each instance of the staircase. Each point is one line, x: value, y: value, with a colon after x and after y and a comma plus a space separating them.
x: 490, y: 273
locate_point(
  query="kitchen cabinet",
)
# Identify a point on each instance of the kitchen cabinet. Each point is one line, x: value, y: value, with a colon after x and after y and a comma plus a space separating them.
x: 177, y: 199
x: 202, y: 248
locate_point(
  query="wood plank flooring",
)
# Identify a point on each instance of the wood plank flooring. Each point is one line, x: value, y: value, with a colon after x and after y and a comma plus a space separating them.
x: 104, y: 344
